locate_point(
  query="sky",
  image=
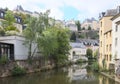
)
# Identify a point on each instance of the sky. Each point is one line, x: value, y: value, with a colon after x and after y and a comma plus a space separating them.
x: 64, y: 9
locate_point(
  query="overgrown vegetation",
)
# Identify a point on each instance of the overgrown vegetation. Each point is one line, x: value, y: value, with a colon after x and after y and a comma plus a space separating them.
x: 95, y: 66
x: 89, y: 53
x: 81, y: 61
x: 78, y: 25
x: 73, y: 36
x: 2, y: 32
x: 52, y: 40
x: 17, y: 70
x: 8, y: 25
x: 3, y: 59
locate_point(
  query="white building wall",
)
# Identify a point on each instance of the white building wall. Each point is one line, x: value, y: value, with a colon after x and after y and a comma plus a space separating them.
x: 80, y: 52
x: 116, y: 48
x: 116, y: 34
x: 20, y: 50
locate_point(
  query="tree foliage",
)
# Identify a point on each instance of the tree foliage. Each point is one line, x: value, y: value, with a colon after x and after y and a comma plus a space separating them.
x: 51, y: 40
x: 89, y: 28
x: 83, y: 28
x: 30, y: 35
x: 78, y: 25
x: 7, y: 24
x: 54, y: 42
x: 89, y: 53
x: 9, y: 18
x: 35, y: 27
x: 73, y: 36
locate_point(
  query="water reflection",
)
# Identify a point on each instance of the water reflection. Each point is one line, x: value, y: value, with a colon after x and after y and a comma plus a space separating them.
x: 76, y: 74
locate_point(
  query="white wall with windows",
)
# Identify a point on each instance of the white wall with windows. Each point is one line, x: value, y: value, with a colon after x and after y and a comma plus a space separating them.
x: 116, y: 41
x: 116, y: 38
x: 78, y: 51
x: 20, y: 50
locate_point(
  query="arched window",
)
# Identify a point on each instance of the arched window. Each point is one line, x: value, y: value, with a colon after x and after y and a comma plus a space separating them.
x: 73, y: 53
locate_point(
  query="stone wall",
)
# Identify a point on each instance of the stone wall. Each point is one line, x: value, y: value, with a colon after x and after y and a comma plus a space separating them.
x: 29, y: 66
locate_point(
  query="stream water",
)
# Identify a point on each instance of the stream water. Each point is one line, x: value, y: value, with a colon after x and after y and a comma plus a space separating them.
x: 75, y: 74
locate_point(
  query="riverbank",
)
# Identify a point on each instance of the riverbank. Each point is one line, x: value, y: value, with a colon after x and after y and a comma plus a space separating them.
x: 76, y: 73
x: 113, y: 77
x: 23, y: 67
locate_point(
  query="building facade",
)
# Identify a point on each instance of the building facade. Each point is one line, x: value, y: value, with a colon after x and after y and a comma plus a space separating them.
x: 94, y: 24
x: 14, y: 48
x: 71, y: 25
x: 18, y: 20
x: 105, y: 38
x: 116, y: 41
x: 78, y: 51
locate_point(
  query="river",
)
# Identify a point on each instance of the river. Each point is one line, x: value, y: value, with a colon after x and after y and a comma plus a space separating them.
x: 75, y: 74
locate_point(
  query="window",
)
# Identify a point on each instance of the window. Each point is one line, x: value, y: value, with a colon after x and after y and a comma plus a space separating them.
x: 107, y: 48
x: 101, y: 32
x: 110, y: 34
x: 18, y: 20
x: 7, y: 50
x: 106, y: 35
x: 101, y: 24
x: 116, y: 29
x: 101, y: 43
x: 110, y: 57
x: 110, y: 48
x: 107, y: 57
x: 73, y: 53
x: 2, y: 14
x: 116, y: 39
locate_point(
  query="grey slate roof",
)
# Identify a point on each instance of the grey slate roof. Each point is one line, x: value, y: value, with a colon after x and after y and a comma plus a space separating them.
x: 77, y: 45
x: 111, y: 12
x: 88, y: 42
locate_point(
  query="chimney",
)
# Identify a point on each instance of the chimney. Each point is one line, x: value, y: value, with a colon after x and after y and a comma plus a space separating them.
x: 103, y: 14
x: 118, y: 9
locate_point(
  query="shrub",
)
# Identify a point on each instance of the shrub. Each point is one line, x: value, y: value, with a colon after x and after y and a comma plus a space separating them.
x: 81, y: 60
x: 17, y: 70
x: 3, y: 60
x: 2, y: 32
x: 11, y: 28
x: 11, y: 33
x: 95, y: 66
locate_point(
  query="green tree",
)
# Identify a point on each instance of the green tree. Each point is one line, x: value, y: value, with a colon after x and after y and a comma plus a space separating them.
x: 78, y: 25
x: 30, y: 35
x: 96, y: 53
x: 35, y: 27
x: 82, y: 36
x: 62, y: 51
x: 9, y: 18
x: 73, y: 36
x: 83, y: 28
x: 7, y: 24
x: 23, y: 16
x: 50, y: 40
x: 89, y: 53
x: 89, y: 28
x: 47, y: 42
x: 54, y: 42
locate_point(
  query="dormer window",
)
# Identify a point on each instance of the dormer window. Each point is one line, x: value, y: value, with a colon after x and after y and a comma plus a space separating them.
x: 18, y: 20
x: 2, y: 14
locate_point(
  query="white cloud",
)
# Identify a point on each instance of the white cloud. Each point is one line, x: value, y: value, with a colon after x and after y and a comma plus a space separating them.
x: 87, y: 8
